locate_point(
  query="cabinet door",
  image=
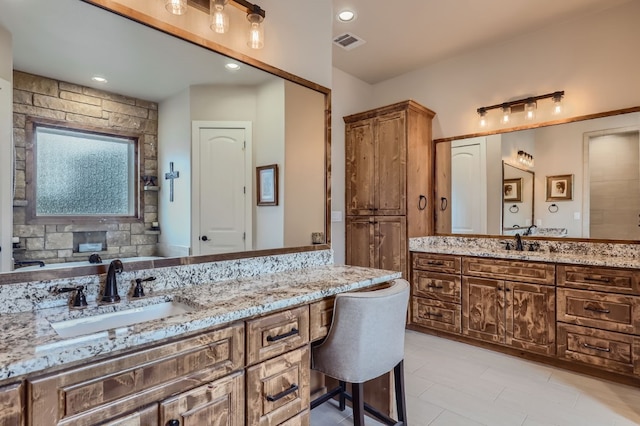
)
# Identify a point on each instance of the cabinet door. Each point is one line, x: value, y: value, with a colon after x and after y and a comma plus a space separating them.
x: 391, y: 243
x: 360, y: 239
x: 12, y: 405
x: 360, y: 168
x: 483, y: 309
x: 530, y: 317
x: 220, y: 403
x: 145, y: 417
x: 391, y: 164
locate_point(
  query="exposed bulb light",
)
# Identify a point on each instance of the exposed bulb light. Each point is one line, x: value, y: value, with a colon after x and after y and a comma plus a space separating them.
x: 483, y: 117
x: 256, y: 31
x: 232, y: 66
x: 557, y: 103
x: 506, y: 114
x: 525, y: 158
x: 346, y: 16
x: 176, y: 7
x: 530, y: 110
x: 219, y: 18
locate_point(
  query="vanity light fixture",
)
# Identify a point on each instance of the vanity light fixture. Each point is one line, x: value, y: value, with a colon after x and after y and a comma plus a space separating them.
x: 219, y: 19
x: 528, y: 105
x: 525, y: 158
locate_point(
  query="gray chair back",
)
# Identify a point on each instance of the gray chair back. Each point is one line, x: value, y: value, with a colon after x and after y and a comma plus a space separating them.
x: 366, y: 338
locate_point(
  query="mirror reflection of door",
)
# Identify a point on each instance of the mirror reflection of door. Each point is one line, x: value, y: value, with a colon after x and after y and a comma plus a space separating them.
x: 469, y: 186
x: 225, y: 201
x: 614, y: 182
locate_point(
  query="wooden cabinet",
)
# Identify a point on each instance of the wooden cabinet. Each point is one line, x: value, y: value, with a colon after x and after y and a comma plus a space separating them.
x: 221, y: 400
x: 436, y: 292
x: 278, y: 389
x: 94, y: 392
x: 320, y: 317
x: 599, y: 317
x: 516, y: 314
x: 12, y: 405
x: 388, y: 183
x: 144, y: 417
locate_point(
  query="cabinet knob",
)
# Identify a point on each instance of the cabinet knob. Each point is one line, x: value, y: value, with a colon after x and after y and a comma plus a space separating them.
x: 173, y: 422
x: 203, y: 238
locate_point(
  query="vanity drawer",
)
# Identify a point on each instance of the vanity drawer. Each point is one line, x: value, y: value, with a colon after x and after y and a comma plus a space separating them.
x: 106, y: 388
x: 604, y: 279
x: 436, y: 314
x: 276, y: 334
x: 601, y: 310
x: 510, y: 270
x: 320, y: 317
x: 437, y: 286
x: 302, y: 419
x: 278, y: 389
x: 436, y: 262
x: 604, y: 349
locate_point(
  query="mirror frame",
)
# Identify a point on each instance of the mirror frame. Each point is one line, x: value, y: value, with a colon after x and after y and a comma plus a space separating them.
x: 77, y: 271
x: 515, y: 129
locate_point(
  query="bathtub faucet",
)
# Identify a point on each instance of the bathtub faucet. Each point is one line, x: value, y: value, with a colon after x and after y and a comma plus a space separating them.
x: 111, y: 285
x: 21, y: 263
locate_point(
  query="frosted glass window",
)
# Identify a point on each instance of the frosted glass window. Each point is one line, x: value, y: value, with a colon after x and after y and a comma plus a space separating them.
x: 84, y: 174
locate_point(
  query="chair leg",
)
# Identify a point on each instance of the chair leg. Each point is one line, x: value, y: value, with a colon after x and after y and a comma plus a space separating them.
x: 358, y: 403
x: 401, y: 405
x: 343, y: 399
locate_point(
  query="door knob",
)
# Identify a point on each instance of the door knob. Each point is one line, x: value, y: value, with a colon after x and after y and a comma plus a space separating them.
x: 204, y: 238
x: 173, y: 422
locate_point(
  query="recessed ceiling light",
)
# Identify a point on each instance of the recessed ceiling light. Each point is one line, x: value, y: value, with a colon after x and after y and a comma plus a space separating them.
x: 99, y: 79
x: 346, y: 16
x: 232, y: 66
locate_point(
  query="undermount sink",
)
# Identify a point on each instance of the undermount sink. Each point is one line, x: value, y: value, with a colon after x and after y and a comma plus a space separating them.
x: 102, y: 322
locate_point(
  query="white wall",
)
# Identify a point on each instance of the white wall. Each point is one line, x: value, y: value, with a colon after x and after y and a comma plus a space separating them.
x: 304, y: 182
x: 591, y: 57
x: 269, y: 149
x: 494, y: 180
x: 6, y: 150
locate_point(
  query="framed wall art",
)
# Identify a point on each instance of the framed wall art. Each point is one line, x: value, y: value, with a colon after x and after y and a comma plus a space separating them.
x: 267, y: 184
x: 560, y: 188
x: 512, y: 190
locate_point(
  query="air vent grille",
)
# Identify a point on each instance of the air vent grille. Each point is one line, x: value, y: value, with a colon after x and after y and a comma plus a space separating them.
x: 348, y: 41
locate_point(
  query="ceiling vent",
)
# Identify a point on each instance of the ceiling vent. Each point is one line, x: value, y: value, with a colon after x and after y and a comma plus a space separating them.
x: 348, y: 41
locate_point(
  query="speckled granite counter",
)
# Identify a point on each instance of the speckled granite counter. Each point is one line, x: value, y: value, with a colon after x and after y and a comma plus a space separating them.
x: 29, y: 343
x: 567, y: 252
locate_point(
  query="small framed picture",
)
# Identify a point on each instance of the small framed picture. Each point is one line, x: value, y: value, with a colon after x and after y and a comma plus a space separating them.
x: 560, y: 188
x: 267, y: 177
x: 512, y: 190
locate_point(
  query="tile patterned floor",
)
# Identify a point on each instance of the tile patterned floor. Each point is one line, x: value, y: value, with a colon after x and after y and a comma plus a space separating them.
x: 453, y: 384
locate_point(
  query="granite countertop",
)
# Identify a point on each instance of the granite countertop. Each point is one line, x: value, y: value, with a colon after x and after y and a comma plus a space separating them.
x: 589, y: 259
x: 31, y: 345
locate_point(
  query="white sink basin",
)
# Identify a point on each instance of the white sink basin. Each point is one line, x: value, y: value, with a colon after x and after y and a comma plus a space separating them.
x: 102, y: 322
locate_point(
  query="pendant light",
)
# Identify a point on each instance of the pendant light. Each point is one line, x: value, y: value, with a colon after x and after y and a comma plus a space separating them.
x: 176, y: 7
x: 219, y: 18
x: 256, y: 31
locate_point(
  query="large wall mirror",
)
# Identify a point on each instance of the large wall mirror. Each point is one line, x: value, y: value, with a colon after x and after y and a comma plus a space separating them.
x: 576, y: 179
x: 202, y: 130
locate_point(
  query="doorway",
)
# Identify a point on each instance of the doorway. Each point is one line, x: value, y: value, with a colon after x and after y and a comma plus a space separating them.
x: 469, y: 186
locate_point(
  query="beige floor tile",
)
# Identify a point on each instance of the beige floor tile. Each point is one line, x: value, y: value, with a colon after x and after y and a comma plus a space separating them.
x: 447, y: 418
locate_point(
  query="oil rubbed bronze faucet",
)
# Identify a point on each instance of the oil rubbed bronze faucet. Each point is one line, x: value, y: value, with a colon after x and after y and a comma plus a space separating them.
x: 111, y: 286
x: 519, y: 246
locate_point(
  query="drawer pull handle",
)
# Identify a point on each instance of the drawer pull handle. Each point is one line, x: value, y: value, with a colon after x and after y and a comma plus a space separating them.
x: 434, y: 315
x: 600, y: 311
x: 435, y: 286
x: 293, y: 332
x: 597, y: 280
x: 292, y: 389
x: 597, y: 348
x: 435, y: 262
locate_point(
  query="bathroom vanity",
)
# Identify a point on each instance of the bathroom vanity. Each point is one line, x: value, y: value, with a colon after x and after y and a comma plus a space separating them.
x: 571, y: 304
x: 240, y: 356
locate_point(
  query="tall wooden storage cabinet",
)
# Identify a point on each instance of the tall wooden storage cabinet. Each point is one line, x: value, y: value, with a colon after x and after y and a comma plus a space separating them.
x: 389, y: 184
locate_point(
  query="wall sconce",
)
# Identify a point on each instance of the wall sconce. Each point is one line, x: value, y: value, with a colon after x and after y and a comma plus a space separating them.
x: 525, y: 158
x: 526, y: 105
x: 219, y: 19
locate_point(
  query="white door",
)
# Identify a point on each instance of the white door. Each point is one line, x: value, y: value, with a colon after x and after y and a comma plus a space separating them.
x: 224, y: 196
x: 469, y: 187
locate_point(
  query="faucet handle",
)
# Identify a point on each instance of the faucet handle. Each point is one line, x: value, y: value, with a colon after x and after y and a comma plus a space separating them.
x: 139, y: 290
x: 508, y: 246
x: 534, y: 246
x: 79, y: 300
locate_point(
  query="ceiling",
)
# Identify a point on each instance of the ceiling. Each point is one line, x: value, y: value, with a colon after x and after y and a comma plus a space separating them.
x: 417, y: 33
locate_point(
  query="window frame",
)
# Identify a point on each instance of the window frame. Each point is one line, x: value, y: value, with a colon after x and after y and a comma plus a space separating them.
x: 32, y: 124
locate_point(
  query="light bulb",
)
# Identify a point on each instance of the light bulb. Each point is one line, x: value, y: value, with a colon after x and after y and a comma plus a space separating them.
x: 176, y: 7
x: 256, y: 31
x: 483, y: 117
x: 506, y: 114
x: 557, y: 103
x: 530, y: 110
x: 219, y: 18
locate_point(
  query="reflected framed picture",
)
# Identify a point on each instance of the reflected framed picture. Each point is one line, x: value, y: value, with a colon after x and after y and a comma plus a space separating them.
x: 267, y: 184
x: 560, y: 188
x: 512, y: 190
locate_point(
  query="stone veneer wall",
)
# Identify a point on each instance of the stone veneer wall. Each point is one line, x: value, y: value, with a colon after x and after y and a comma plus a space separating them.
x: 36, y: 96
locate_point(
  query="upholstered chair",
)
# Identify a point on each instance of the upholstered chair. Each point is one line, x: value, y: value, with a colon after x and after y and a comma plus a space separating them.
x: 366, y: 340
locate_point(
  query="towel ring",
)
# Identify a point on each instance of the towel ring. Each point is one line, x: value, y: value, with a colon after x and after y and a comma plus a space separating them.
x: 514, y: 209
x: 553, y: 208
